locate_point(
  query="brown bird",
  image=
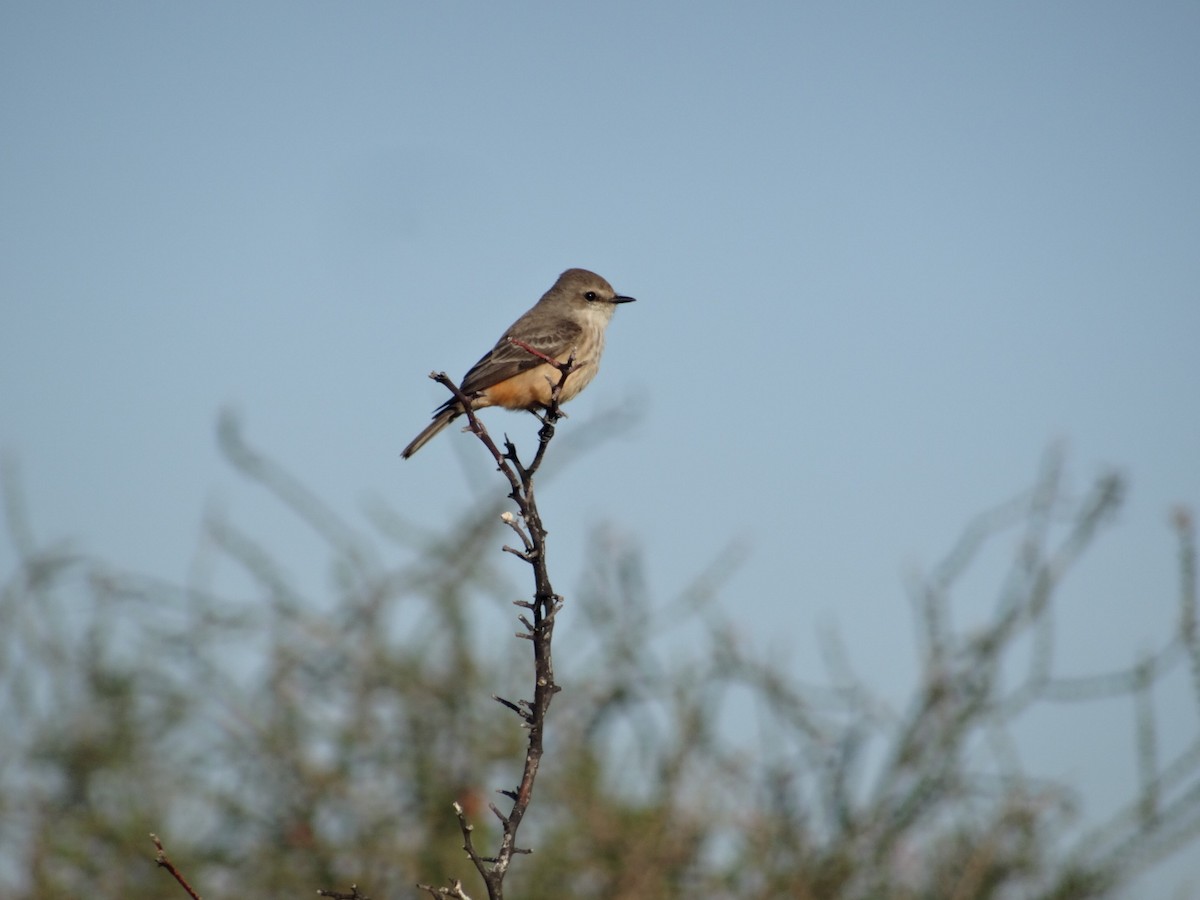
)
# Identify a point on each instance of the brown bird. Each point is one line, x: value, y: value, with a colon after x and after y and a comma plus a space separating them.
x: 570, y: 318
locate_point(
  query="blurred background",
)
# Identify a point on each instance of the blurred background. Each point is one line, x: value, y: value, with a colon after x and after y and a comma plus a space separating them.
x: 885, y: 257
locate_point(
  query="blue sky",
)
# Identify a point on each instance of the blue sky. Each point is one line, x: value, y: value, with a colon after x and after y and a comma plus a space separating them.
x: 885, y: 255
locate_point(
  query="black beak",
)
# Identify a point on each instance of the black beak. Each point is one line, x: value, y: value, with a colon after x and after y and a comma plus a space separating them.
x: 620, y: 299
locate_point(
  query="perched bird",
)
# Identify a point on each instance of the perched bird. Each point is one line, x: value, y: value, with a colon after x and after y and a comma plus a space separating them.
x: 570, y: 318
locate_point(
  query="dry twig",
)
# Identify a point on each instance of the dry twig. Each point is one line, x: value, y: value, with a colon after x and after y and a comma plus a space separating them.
x: 538, y: 627
x: 165, y: 863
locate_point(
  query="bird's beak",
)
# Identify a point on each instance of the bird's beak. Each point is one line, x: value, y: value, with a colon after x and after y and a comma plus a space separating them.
x: 621, y: 299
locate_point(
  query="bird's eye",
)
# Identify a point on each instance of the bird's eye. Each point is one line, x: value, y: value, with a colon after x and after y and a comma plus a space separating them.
x: 590, y: 296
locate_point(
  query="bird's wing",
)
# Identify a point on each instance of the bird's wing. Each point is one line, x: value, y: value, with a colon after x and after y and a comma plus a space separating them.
x: 507, y: 359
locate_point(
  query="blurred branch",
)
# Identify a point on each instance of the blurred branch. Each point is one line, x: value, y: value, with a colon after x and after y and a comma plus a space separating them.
x: 353, y: 894
x: 1185, y: 528
x: 310, y: 508
x: 312, y: 738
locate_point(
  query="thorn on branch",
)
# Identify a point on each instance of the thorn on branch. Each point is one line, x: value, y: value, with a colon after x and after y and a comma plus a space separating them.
x: 521, y: 709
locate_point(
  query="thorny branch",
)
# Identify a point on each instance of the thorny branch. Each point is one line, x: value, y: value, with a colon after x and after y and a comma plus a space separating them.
x: 538, y: 626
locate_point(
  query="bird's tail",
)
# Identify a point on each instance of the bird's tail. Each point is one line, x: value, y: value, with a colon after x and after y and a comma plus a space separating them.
x: 441, y: 419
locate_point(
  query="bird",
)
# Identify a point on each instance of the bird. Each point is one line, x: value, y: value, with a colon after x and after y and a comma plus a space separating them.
x: 569, y: 318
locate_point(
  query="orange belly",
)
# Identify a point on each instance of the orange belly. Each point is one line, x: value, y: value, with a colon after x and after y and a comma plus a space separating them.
x: 531, y: 389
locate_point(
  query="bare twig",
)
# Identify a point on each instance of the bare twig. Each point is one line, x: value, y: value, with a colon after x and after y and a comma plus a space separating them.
x: 342, y: 895
x: 455, y: 890
x: 165, y: 863
x: 467, y: 828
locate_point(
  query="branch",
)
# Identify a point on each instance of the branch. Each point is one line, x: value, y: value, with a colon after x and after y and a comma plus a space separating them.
x: 341, y: 895
x: 455, y: 890
x: 164, y: 863
x: 539, y: 624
